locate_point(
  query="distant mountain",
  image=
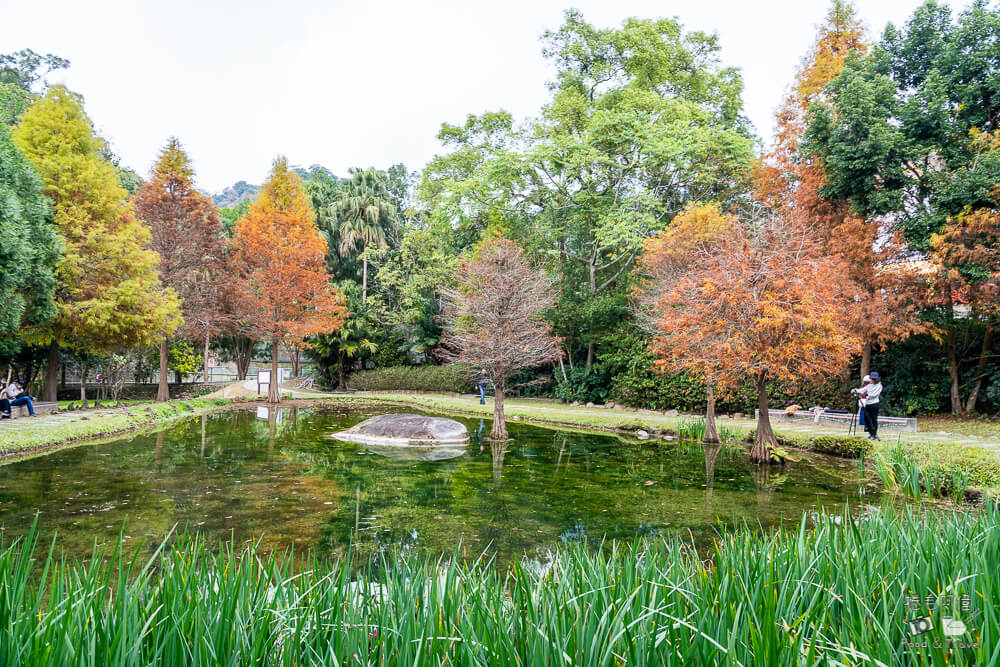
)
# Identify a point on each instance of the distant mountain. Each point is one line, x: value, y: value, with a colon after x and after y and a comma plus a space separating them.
x: 235, y: 194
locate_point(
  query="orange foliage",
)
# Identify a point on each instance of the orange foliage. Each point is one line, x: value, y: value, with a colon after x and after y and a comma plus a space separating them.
x: 763, y: 303
x: 885, y: 294
x: 281, y: 286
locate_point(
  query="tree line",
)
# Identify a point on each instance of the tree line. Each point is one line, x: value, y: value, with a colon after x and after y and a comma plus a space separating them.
x: 679, y: 253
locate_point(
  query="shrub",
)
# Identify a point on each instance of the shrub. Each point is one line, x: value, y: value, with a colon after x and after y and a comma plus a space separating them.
x: 452, y: 378
x: 586, y: 385
x: 844, y: 446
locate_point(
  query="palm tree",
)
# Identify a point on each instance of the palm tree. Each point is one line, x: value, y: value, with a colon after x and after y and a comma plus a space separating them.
x: 364, y: 209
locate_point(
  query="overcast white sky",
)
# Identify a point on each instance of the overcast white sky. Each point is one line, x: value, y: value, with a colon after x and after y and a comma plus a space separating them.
x: 357, y: 84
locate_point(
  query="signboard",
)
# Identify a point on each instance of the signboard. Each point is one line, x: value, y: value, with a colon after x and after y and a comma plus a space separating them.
x: 212, y: 362
x: 263, y: 379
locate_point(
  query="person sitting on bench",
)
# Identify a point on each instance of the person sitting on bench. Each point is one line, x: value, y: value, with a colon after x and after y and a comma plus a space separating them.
x: 18, y: 397
x: 4, y: 402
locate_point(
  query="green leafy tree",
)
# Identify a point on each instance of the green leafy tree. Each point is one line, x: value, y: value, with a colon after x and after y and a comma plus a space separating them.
x: 108, y: 293
x: 642, y: 118
x: 181, y: 360
x: 908, y: 134
x: 19, y: 73
x: 30, y: 245
x: 410, y: 279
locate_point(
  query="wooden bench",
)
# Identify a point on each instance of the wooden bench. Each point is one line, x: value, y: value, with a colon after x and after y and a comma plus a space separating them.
x: 41, y: 408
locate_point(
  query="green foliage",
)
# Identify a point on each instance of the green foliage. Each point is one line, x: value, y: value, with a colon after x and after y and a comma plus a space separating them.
x: 354, y: 340
x: 450, y: 378
x: 585, y: 385
x: 29, y: 246
x: 898, y: 470
x: 229, y: 216
x: 835, y: 585
x: 181, y: 358
x: 691, y: 429
x: 844, y: 446
x: 902, y: 124
x: 25, y: 68
x: 14, y: 101
x: 634, y: 382
x: 559, y: 183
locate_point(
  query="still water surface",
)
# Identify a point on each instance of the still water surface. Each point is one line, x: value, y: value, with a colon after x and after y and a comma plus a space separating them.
x: 278, y: 478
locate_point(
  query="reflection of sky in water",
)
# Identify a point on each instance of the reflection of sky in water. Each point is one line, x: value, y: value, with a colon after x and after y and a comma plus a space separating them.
x: 275, y: 476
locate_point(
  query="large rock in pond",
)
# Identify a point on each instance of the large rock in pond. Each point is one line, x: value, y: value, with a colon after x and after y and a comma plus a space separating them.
x: 406, y: 430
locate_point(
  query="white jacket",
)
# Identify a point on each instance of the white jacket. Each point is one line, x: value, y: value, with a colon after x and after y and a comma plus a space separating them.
x: 872, y: 392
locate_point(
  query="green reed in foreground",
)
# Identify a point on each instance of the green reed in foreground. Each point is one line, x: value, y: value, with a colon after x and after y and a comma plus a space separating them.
x: 830, y: 592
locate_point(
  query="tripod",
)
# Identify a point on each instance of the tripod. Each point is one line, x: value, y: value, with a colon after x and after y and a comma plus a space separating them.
x: 858, y: 406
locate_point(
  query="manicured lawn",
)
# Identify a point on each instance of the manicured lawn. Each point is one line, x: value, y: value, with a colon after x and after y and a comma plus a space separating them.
x: 983, y: 427
x: 49, y: 430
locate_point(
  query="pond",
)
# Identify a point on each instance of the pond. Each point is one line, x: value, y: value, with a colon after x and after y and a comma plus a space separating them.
x: 276, y: 477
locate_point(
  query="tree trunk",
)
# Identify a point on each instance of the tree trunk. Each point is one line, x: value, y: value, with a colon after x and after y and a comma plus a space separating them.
x: 956, y: 398
x: 984, y: 351
x: 364, y: 277
x: 866, y: 358
x: 711, y: 433
x: 244, y: 350
x: 83, y: 384
x: 178, y: 378
x: 204, y: 361
x: 341, y: 384
x: 499, y: 431
x: 764, y: 441
x: 52, y: 372
x: 295, y: 362
x: 590, y: 354
x: 273, y: 395
x: 62, y: 370
x: 163, y: 389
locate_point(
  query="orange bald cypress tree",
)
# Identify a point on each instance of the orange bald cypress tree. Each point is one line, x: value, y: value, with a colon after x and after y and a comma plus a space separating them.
x: 760, y: 304
x: 187, y: 235
x: 667, y: 257
x: 281, y: 288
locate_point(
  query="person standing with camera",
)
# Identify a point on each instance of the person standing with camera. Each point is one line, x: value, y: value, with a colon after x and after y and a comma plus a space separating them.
x: 871, y: 395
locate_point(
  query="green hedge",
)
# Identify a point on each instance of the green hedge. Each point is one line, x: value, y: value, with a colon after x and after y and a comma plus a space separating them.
x: 844, y: 446
x: 629, y: 365
x: 451, y: 378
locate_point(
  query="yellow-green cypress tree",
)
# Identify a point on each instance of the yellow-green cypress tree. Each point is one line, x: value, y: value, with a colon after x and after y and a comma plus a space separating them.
x: 109, y: 293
